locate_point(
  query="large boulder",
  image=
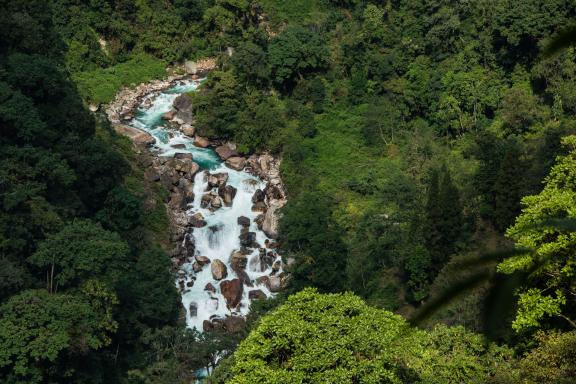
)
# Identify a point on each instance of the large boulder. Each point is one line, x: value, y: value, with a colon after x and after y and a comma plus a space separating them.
x: 183, y: 156
x: 197, y: 221
x: 177, y: 200
x: 201, y: 142
x: 137, y: 136
x: 260, y: 206
x: 244, y: 278
x: 256, y: 294
x: 202, y: 260
x: 232, y: 291
x: 183, y: 102
x: 248, y: 239
x: 207, y: 326
x: 188, y: 130
x: 275, y: 284
x: 227, y: 193
x: 259, y: 220
x: 187, y: 188
x: 219, y: 270
x: 238, y: 260
x: 217, y: 179
x: 234, y: 324
x: 258, y: 196
x: 225, y: 152
x: 237, y: 163
x: 271, y: 223
x: 244, y: 221
x: 216, y: 203
x: 184, y: 165
x: 183, y: 106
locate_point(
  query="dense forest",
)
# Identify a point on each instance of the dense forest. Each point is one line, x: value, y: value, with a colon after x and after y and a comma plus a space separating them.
x: 427, y: 148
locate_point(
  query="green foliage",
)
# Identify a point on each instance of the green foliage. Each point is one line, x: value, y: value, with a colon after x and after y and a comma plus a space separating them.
x: 101, y: 85
x: 553, y: 247
x: 338, y: 338
x: 39, y: 330
x: 149, y: 293
x: 308, y: 231
x: 297, y: 11
x: 294, y: 53
x: 552, y: 361
x: 80, y: 250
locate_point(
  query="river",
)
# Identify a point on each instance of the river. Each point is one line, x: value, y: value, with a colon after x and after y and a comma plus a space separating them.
x: 220, y: 237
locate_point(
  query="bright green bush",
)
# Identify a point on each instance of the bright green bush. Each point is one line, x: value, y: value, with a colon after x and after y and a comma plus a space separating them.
x: 337, y: 338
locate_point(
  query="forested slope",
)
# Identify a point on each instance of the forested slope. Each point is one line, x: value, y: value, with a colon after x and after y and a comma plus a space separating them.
x: 81, y: 276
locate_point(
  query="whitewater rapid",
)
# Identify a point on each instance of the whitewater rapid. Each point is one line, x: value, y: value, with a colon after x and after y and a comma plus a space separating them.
x: 220, y: 237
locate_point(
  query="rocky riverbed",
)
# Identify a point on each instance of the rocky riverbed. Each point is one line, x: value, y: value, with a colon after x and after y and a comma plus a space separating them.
x: 223, y: 207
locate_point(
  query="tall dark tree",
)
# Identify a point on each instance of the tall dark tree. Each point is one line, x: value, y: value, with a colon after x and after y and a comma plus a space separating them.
x: 443, y: 217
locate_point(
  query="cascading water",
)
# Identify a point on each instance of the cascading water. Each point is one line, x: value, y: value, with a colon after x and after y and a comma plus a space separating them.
x: 219, y: 238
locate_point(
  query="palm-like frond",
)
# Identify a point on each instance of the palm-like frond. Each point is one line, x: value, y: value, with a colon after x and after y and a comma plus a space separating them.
x: 501, y: 295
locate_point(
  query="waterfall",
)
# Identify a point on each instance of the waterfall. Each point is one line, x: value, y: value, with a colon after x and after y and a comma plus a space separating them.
x: 220, y: 237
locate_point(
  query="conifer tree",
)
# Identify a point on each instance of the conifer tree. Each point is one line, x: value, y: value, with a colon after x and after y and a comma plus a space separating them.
x: 508, y: 189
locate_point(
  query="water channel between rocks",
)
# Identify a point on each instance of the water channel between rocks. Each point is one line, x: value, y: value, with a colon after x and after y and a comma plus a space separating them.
x: 219, y: 238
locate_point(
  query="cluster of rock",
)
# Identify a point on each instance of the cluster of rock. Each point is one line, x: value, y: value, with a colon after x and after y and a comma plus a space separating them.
x: 176, y: 174
x: 200, y: 67
x: 233, y: 289
x: 273, y: 197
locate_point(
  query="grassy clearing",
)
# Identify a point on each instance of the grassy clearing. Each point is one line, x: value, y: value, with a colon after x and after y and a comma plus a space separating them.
x: 301, y: 11
x: 101, y: 85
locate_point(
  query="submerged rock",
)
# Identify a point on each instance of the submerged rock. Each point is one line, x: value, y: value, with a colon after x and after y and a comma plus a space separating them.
x: 193, y: 309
